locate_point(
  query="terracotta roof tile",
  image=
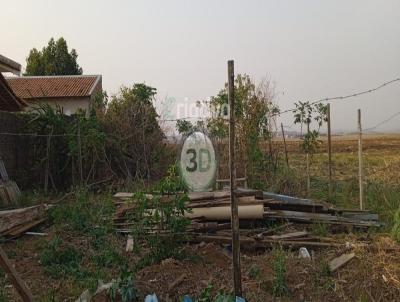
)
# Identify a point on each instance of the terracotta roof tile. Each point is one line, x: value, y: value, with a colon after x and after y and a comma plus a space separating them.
x: 54, y: 86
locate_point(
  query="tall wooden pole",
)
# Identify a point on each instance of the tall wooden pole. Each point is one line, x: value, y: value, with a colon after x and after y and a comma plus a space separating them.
x: 284, y: 144
x: 329, y: 151
x: 308, y: 165
x: 237, y: 279
x: 80, y: 154
x: 360, y: 162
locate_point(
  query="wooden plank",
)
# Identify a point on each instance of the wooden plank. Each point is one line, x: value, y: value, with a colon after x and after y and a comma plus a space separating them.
x: 3, y: 171
x: 289, y: 235
x: 12, y: 218
x: 21, y: 229
x: 340, y: 261
x: 18, y: 283
x: 317, y: 217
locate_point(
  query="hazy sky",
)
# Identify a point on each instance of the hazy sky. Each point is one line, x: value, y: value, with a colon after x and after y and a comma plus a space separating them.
x: 310, y: 49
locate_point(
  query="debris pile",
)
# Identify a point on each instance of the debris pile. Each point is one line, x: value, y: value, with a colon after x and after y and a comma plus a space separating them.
x: 14, y: 223
x: 210, y: 214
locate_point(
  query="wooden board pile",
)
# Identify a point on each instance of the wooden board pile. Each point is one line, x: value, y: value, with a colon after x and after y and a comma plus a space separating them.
x: 210, y: 213
x: 9, y: 191
x: 14, y: 223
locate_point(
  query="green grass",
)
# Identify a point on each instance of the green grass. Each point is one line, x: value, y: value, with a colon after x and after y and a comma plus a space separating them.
x: 279, y: 283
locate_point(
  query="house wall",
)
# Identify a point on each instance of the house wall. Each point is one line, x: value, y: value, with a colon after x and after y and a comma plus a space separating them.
x: 69, y: 105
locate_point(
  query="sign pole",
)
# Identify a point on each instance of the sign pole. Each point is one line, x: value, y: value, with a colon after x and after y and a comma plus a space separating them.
x: 237, y: 279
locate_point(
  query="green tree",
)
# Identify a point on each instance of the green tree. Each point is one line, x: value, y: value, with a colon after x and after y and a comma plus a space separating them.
x: 131, y: 121
x: 54, y: 59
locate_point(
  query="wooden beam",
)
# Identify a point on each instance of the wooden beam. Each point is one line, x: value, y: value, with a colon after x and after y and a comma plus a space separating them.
x: 18, y: 283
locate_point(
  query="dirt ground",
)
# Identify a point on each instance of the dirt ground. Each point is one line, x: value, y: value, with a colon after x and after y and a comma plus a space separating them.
x: 373, y: 275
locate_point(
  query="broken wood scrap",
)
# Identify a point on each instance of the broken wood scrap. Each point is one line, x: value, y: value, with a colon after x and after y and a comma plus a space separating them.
x: 177, y: 281
x: 318, y: 217
x: 265, y: 243
x: 21, y: 229
x: 289, y: 235
x: 129, y: 244
x: 340, y: 261
x: 30, y: 216
x: 18, y: 283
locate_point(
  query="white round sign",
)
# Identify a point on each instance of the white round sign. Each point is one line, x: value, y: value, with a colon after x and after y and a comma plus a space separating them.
x: 198, y: 164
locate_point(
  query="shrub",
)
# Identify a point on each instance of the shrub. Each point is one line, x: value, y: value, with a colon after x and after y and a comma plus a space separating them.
x: 124, y: 287
x: 279, y: 284
x: 160, y: 221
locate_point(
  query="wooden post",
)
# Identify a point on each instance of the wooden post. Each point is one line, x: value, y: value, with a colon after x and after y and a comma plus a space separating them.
x: 47, y: 169
x: 237, y: 279
x: 329, y: 151
x: 308, y: 165
x: 19, y: 285
x: 80, y: 155
x: 360, y: 162
x: 284, y: 144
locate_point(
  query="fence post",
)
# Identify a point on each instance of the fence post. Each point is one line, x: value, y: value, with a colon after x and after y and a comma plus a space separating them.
x: 329, y: 150
x: 47, y: 169
x: 80, y: 155
x: 308, y: 165
x: 360, y: 162
x: 237, y: 279
x: 284, y: 144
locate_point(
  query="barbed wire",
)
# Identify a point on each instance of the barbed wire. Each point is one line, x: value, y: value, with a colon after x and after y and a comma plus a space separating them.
x: 383, y: 122
x: 327, y: 99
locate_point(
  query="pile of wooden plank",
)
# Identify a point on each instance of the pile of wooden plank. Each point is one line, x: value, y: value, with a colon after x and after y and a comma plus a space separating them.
x: 14, y: 223
x: 212, y: 209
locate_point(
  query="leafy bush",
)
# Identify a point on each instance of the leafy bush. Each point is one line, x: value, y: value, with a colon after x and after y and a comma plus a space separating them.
x: 160, y: 221
x: 207, y: 296
x: 124, y: 287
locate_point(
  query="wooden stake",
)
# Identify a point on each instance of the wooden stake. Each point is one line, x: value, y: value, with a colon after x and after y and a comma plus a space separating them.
x: 360, y: 162
x: 80, y: 155
x: 237, y: 279
x: 47, y: 169
x: 284, y: 144
x: 308, y: 165
x: 19, y: 285
x: 329, y: 151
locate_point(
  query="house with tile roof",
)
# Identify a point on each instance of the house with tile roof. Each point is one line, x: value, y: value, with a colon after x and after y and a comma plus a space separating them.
x: 71, y: 92
x: 8, y: 100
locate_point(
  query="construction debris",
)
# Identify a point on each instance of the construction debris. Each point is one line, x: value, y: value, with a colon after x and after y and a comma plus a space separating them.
x: 18, y: 283
x: 340, y: 261
x: 129, y: 244
x: 14, y: 223
x: 210, y: 213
